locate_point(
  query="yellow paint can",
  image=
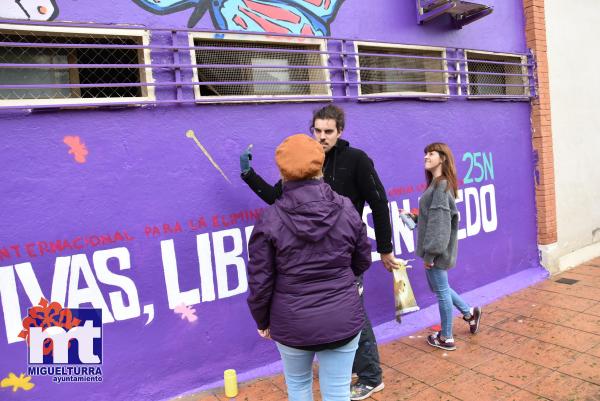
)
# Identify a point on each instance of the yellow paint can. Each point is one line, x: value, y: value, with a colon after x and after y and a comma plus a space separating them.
x: 231, y: 385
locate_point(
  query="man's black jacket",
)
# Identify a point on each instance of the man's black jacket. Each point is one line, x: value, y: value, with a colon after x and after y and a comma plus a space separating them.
x: 351, y: 173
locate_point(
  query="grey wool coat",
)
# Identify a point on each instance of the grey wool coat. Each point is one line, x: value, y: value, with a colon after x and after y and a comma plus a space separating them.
x: 437, y: 237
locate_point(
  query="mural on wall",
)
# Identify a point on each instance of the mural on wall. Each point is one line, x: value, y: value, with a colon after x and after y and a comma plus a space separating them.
x: 301, y: 17
x: 221, y: 242
x: 199, y: 277
x: 149, y: 230
x: 224, y: 238
x: 306, y: 17
x: 39, y: 10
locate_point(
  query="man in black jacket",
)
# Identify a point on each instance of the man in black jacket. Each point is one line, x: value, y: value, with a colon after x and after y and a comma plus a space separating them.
x: 349, y: 172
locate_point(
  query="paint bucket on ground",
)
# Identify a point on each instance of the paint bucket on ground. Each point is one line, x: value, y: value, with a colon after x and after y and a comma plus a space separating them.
x: 231, y: 385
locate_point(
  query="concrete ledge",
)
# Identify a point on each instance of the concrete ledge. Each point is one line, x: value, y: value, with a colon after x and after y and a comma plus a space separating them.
x: 555, y: 263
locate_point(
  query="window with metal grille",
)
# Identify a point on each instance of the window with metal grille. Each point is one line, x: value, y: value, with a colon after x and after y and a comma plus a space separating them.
x: 64, y: 67
x: 490, y: 74
x: 390, y: 69
x: 254, y: 69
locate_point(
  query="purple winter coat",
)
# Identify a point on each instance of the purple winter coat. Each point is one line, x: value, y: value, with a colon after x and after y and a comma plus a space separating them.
x: 304, y: 255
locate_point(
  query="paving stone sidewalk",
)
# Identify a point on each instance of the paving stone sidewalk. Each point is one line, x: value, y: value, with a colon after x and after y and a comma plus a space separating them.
x: 540, y: 343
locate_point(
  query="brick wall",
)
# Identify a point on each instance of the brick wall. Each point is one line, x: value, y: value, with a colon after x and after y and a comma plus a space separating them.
x: 535, y: 30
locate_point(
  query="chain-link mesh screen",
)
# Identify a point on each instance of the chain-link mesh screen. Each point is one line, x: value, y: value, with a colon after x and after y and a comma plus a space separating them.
x: 493, y: 83
x: 94, y: 77
x: 417, y: 81
x: 277, y: 80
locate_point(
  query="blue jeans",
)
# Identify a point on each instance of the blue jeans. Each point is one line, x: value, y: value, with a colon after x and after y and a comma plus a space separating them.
x: 438, y: 282
x: 335, y: 371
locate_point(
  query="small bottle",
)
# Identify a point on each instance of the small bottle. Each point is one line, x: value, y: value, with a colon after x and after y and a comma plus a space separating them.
x: 408, y: 221
x: 231, y: 385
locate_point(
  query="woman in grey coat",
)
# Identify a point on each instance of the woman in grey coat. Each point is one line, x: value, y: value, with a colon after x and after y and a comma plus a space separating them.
x: 437, y: 241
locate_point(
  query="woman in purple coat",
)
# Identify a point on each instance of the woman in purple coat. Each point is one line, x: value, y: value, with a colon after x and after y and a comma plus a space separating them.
x: 306, y: 252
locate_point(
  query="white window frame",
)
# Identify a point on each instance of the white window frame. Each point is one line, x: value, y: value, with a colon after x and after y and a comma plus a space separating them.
x: 145, y: 72
x: 403, y: 93
x: 524, y: 70
x: 322, y: 43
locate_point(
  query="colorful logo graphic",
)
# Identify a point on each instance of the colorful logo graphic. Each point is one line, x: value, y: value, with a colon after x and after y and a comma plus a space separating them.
x: 63, y: 336
x: 306, y: 17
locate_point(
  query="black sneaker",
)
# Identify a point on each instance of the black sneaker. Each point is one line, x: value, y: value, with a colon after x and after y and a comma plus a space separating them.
x: 474, y: 320
x: 436, y: 341
x: 360, y: 391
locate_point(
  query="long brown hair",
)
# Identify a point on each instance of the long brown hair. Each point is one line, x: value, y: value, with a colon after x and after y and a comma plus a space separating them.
x: 448, y: 166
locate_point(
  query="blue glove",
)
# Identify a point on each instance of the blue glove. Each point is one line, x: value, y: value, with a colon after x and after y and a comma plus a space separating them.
x: 245, y: 158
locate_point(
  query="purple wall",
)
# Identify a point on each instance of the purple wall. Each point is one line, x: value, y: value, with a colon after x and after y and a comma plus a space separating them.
x: 142, y: 172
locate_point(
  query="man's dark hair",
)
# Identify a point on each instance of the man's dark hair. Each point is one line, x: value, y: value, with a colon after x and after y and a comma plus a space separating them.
x: 330, y: 112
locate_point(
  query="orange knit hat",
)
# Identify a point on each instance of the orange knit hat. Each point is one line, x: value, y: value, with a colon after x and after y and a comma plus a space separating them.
x: 299, y: 157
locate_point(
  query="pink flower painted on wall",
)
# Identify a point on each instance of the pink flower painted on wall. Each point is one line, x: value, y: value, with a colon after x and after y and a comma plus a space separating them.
x: 76, y: 148
x: 186, y: 312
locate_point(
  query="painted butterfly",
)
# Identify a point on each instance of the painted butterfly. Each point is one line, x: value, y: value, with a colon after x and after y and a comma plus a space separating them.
x: 306, y: 17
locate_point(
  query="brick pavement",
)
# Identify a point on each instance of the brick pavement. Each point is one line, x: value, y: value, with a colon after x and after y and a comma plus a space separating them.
x: 540, y: 343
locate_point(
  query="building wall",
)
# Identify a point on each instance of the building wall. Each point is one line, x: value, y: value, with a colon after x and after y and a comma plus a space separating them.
x: 148, y: 206
x: 571, y: 33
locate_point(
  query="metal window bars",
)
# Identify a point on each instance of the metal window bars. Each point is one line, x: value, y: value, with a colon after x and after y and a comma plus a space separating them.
x: 285, y: 73
x: 54, y: 66
x: 418, y: 71
x: 496, y: 74
x: 50, y: 68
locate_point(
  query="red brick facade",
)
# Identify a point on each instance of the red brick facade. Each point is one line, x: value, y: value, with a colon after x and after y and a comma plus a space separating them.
x: 541, y: 124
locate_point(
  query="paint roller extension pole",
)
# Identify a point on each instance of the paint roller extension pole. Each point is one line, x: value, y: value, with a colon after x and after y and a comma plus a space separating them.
x: 231, y: 385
